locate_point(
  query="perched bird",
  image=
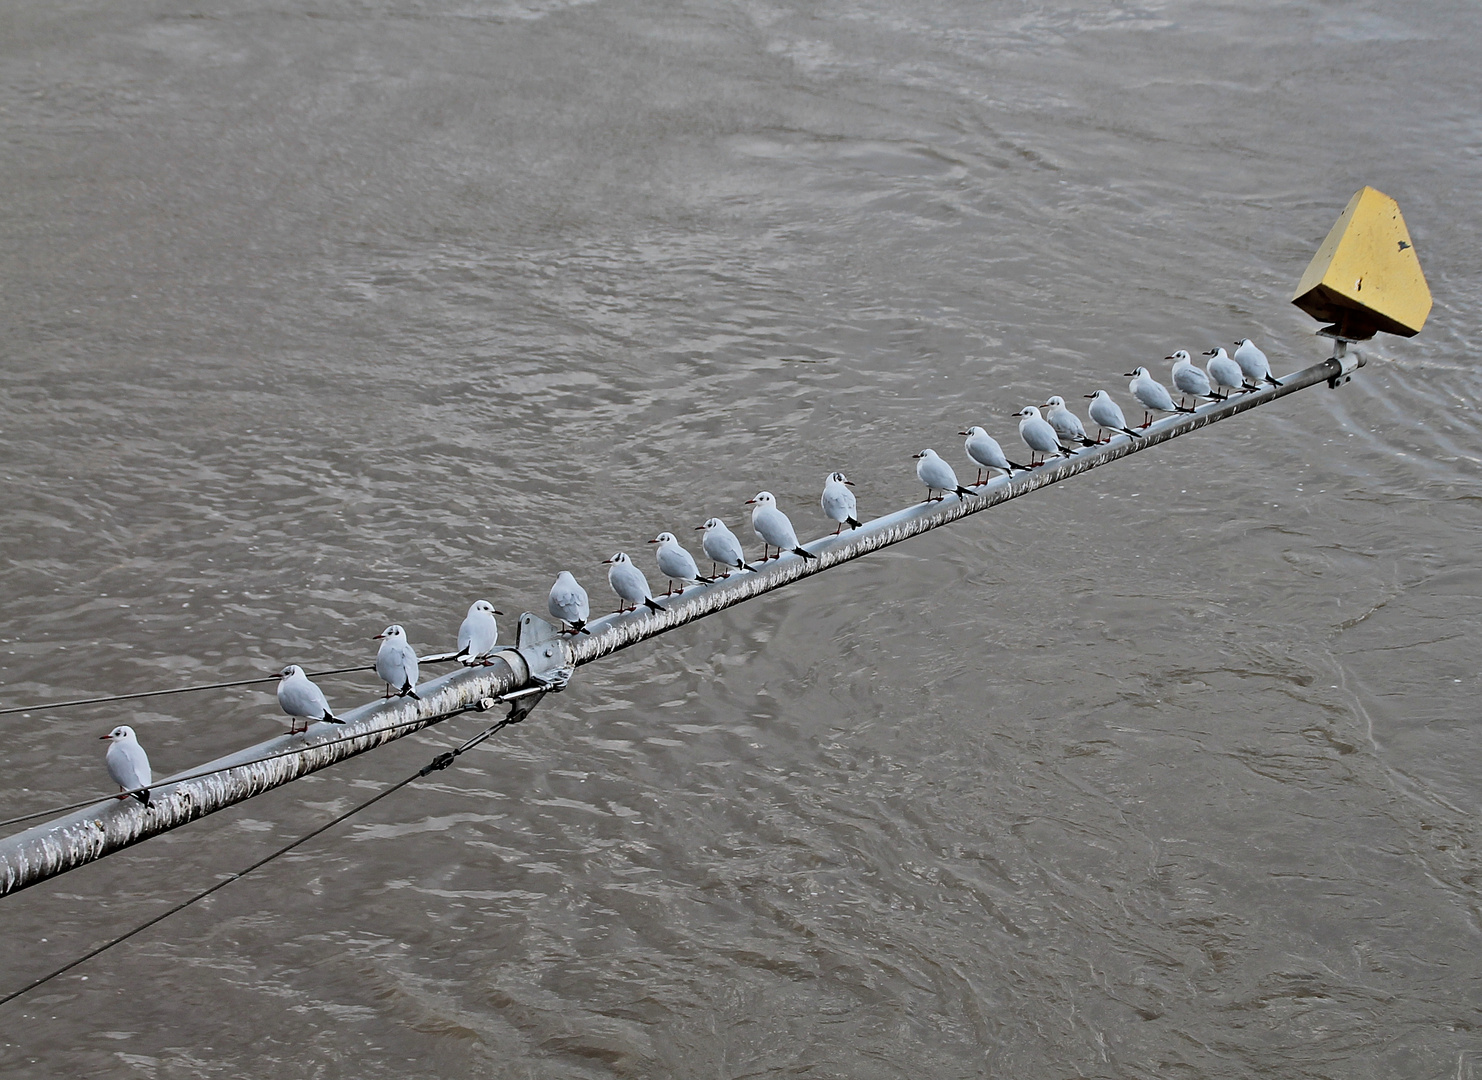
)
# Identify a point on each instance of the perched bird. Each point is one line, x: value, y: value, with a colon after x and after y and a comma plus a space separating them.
x: 1152, y: 395
x: 773, y: 528
x: 1189, y: 379
x: 127, y: 763
x: 984, y: 452
x: 937, y: 475
x: 568, y: 602
x: 302, y: 700
x: 478, y: 635
x: 1225, y: 373
x: 838, y: 501
x: 675, y: 563
x: 722, y: 547
x: 629, y: 584
x: 1253, y: 362
x: 396, y: 662
x: 1039, y: 436
x: 1067, y: 424
x: 1106, y: 413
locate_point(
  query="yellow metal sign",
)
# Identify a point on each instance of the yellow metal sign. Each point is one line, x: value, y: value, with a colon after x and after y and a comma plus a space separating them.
x: 1366, y: 276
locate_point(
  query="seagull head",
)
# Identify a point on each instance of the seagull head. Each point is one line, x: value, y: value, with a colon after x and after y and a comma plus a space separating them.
x: 391, y: 632
x: 710, y: 523
x: 664, y: 538
x: 1243, y: 342
x: 1137, y: 373
x: 973, y: 432
x: 1055, y: 402
x: 840, y: 478
x: 483, y: 607
x: 927, y: 453
x: 1180, y: 356
x: 762, y: 498
x: 290, y: 671
x: 123, y: 733
x: 1098, y: 394
x: 1028, y: 410
x: 565, y: 576
x: 620, y: 557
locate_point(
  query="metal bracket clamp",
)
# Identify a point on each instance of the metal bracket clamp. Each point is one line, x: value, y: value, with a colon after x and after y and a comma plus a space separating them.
x: 1349, y: 360
x: 545, y: 653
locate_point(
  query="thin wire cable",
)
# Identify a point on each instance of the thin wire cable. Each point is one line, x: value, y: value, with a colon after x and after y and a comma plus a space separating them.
x: 442, y: 761
x: 244, y: 764
x: 173, y: 690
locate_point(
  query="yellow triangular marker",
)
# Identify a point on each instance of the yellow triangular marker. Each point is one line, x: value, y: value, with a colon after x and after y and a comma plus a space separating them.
x: 1366, y: 276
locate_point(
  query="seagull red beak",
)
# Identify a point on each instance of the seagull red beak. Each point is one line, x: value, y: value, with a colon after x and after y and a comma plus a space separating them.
x: 749, y: 502
x: 105, y: 738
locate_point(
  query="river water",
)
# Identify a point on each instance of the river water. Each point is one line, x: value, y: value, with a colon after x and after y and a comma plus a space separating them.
x: 318, y: 316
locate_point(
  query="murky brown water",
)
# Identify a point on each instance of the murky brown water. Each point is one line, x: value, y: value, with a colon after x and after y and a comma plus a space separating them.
x: 316, y: 316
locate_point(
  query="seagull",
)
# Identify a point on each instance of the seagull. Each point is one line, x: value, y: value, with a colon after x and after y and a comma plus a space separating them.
x: 478, y: 634
x: 396, y: 662
x: 984, y: 451
x: 722, y: 547
x: 1105, y: 413
x: 1066, y: 423
x: 1188, y: 378
x: 675, y: 563
x: 937, y: 475
x: 1151, y: 394
x: 1225, y: 373
x: 629, y: 584
x: 301, y: 699
x: 838, y: 501
x: 568, y: 602
x: 772, y: 527
x: 1253, y: 362
x: 1038, y: 435
x: 127, y: 763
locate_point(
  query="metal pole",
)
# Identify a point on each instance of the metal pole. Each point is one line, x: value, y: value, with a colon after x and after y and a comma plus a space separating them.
x: 543, y: 659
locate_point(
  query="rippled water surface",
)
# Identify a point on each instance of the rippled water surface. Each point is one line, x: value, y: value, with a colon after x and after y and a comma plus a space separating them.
x: 319, y: 316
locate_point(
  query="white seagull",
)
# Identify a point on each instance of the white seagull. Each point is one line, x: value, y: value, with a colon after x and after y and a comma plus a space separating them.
x: 1039, y: 436
x: 1189, y: 378
x: 722, y: 547
x: 984, y: 452
x: 937, y: 475
x: 1066, y: 423
x: 478, y: 635
x: 629, y: 584
x: 127, y: 763
x: 1253, y: 362
x: 568, y: 602
x: 1152, y: 395
x: 838, y: 501
x: 675, y: 563
x: 773, y: 528
x: 302, y: 700
x: 1225, y: 373
x: 396, y: 662
x: 1106, y: 413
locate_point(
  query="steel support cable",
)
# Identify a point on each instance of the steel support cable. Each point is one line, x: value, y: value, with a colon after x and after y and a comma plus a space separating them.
x: 442, y: 761
x: 438, y: 658
x: 173, y: 690
x: 306, y: 748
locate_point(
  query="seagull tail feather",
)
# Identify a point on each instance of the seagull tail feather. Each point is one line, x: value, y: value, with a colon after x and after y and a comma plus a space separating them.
x: 851, y: 523
x: 805, y: 553
x: 649, y: 601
